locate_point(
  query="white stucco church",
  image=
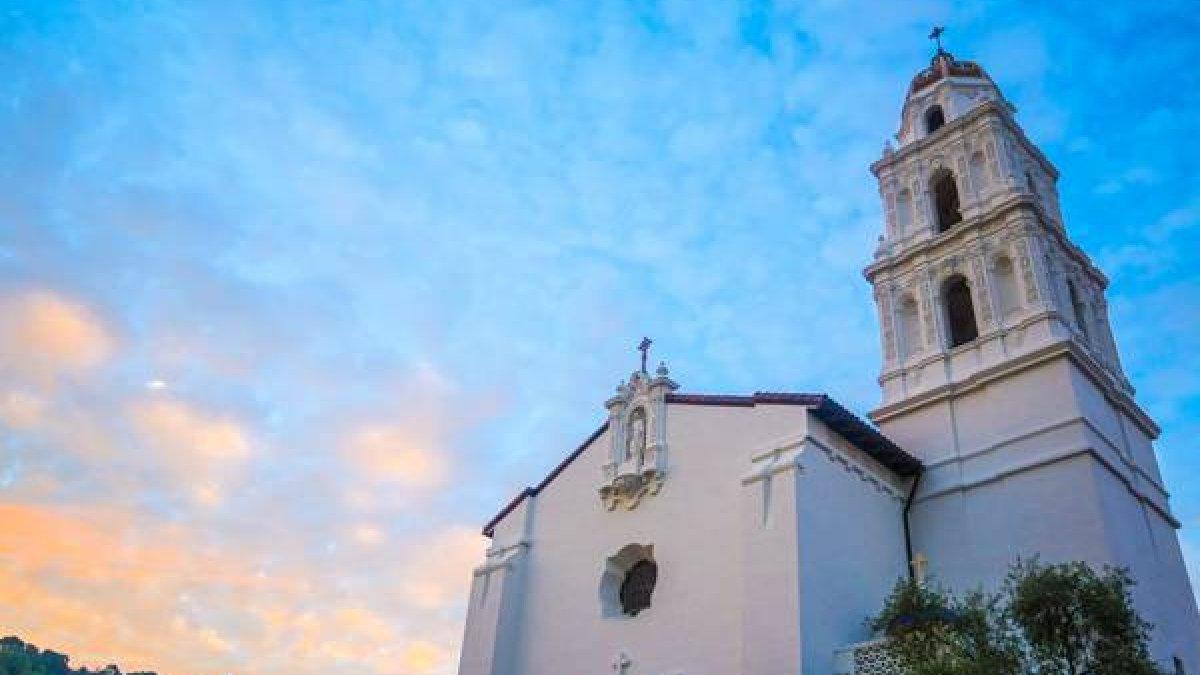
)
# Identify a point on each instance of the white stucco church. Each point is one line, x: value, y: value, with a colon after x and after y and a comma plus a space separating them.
x: 708, y: 534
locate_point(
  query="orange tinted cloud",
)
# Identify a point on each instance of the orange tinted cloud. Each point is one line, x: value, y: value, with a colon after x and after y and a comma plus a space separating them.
x: 97, y: 583
x: 44, y: 334
x: 199, y: 450
x: 394, y: 454
x: 106, y: 585
x: 422, y: 656
x: 437, y: 573
x: 22, y: 410
x: 368, y: 534
x: 119, y: 574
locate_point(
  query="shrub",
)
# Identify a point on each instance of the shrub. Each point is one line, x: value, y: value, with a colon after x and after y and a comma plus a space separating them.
x: 1075, y: 620
x: 1064, y: 619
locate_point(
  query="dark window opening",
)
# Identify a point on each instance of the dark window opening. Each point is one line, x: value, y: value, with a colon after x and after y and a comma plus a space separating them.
x: 945, y: 199
x: 934, y: 119
x: 638, y: 586
x: 1179, y: 670
x: 960, y: 311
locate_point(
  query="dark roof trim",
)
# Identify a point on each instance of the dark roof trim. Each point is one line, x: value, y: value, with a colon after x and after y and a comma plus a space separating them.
x: 758, y: 398
x: 829, y: 411
x: 844, y: 422
x: 868, y: 438
x: 490, y: 528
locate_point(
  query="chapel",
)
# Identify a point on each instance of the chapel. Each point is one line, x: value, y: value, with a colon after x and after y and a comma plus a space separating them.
x: 713, y: 534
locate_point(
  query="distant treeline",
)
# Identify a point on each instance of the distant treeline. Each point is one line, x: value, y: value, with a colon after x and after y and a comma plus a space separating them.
x: 19, y: 658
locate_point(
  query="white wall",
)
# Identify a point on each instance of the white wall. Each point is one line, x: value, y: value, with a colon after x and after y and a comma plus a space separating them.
x: 733, y: 587
x: 851, y: 547
x: 1039, y: 463
x: 492, y: 636
x: 694, y: 624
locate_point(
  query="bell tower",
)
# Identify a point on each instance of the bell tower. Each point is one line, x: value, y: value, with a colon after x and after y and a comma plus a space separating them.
x: 1000, y: 371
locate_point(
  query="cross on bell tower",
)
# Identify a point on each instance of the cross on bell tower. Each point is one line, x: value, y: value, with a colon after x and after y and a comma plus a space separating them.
x: 936, y: 35
x: 1000, y: 371
x: 974, y: 243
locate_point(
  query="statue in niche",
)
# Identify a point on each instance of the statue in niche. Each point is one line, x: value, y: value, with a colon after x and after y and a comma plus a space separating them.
x: 635, y: 442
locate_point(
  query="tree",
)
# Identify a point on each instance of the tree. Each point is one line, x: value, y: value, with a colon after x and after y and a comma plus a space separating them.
x: 56, y: 664
x: 935, y: 633
x: 20, y: 658
x: 1077, y: 621
x: 1064, y: 619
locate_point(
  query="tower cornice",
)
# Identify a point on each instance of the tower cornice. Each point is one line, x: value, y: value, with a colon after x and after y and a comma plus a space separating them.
x: 947, y: 135
x: 1063, y: 348
x: 997, y: 218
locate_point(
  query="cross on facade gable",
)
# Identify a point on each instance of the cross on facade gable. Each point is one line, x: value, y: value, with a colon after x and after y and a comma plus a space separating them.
x: 973, y: 251
x: 644, y: 348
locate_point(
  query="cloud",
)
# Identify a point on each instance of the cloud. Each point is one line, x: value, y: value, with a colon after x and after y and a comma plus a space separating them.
x: 44, y: 334
x: 368, y: 534
x: 1184, y: 218
x: 1137, y: 176
x: 422, y: 656
x: 438, y: 573
x: 199, y: 450
x: 358, y: 257
x: 22, y: 410
x: 104, y: 579
x: 393, y: 454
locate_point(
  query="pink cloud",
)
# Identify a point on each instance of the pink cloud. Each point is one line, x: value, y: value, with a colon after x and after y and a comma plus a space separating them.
x: 44, y: 334
x: 111, y: 585
x: 201, y: 451
x: 396, y: 454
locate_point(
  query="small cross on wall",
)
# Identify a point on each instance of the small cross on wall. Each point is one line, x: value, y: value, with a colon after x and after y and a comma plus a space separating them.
x: 920, y: 568
x: 621, y: 663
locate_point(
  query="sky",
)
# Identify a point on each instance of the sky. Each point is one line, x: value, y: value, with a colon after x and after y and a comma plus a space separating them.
x: 294, y: 296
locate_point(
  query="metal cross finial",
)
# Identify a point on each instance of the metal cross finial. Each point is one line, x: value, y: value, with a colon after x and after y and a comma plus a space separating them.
x: 644, y: 348
x: 936, y: 34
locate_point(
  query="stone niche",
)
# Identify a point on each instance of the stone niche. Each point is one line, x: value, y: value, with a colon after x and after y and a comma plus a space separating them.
x: 637, y: 422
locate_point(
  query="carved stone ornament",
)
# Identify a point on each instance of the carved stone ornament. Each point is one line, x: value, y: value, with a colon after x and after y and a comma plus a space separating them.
x: 637, y: 422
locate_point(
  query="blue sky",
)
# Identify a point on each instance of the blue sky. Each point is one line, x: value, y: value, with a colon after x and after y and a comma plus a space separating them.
x: 296, y: 294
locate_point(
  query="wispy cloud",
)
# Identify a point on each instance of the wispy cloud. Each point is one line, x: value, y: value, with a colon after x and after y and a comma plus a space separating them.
x: 295, y: 295
x: 44, y: 335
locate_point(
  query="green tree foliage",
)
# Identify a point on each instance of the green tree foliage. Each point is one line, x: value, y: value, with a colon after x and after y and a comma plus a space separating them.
x: 1064, y: 619
x: 936, y: 633
x: 19, y: 658
x: 1077, y: 621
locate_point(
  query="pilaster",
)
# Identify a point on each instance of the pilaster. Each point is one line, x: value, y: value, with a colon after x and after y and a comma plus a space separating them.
x: 493, y: 631
x: 771, y: 630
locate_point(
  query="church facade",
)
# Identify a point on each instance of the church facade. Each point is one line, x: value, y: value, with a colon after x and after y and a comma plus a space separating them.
x: 753, y: 535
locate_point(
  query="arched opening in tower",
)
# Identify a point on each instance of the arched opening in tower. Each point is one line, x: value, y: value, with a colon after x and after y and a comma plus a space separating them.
x: 960, y: 311
x: 934, y: 119
x: 945, y: 199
